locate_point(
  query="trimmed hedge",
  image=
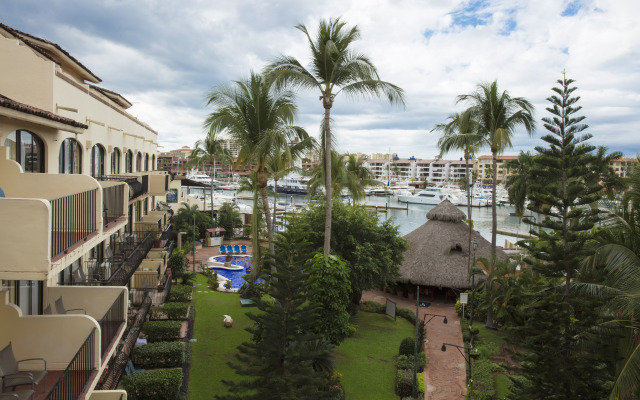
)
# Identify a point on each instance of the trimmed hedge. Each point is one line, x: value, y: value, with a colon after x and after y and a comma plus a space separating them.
x: 160, y: 355
x: 171, y: 311
x: 404, y: 383
x: 406, y: 362
x: 180, y: 293
x: 421, y: 385
x: 407, y: 346
x: 161, y: 331
x: 372, y: 307
x: 482, y: 386
x: 161, y: 384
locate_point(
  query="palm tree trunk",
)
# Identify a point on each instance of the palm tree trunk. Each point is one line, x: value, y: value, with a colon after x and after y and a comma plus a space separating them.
x: 327, y: 102
x: 489, y: 324
x: 262, y: 182
x: 494, y: 216
x: 256, y: 254
x: 466, y: 167
x: 275, y: 201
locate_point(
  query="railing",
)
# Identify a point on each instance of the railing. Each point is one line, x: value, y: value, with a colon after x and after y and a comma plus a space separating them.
x: 132, y: 261
x: 75, y: 378
x: 136, y: 189
x: 73, y: 219
x: 112, y: 203
x: 167, y: 285
x: 111, y: 322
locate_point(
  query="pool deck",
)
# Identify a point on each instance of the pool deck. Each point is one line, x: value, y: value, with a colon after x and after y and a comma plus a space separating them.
x: 204, y: 253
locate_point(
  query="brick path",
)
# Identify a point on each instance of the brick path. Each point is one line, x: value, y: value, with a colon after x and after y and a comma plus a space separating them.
x: 445, y: 371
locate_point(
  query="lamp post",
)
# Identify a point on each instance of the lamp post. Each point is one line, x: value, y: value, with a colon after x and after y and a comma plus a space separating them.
x: 194, y: 243
x: 474, y: 245
x: 467, y: 357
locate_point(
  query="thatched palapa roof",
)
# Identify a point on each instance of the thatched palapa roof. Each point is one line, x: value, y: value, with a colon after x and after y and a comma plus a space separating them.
x: 438, y: 252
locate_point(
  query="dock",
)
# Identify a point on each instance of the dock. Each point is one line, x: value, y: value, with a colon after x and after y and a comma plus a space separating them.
x: 514, y: 234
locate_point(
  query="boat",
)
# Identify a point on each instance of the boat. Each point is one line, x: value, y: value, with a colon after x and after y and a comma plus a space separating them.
x: 229, y: 186
x: 201, y: 177
x: 293, y: 183
x: 431, y: 196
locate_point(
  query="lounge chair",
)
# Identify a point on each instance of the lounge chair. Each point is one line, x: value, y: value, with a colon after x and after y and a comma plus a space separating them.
x: 11, y: 376
x: 243, y: 248
x: 229, y: 249
x: 61, y: 310
x: 17, y: 395
x: 223, y: 250
x: 130, y: 369
x: 236, y: 249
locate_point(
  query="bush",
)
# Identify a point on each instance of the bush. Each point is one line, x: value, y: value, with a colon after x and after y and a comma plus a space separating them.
x: 353, y: 329
x: 372, y: 307
x: 404, y: 383
x: 406, y: 362
x: 161, y: 331
x: 407, y: 314
x: 407, y: 346
x: 421, y: 385
x: 159, y: 355
x: 180, y: 293
x: 177, y: 262
x: 172, y: 311
x: 159, y: 384
x: 482, y: 387
x: 251, y: 290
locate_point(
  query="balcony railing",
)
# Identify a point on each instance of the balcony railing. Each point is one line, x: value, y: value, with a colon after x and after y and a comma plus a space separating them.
x: 142, y: 243
x: 112, y: 203
x: 73, y: 219
x: 111, y: 322
x: 75, y: 378
x: 136, y: 189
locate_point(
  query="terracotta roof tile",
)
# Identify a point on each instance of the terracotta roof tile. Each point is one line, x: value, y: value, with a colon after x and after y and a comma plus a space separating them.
x: 27, y: 109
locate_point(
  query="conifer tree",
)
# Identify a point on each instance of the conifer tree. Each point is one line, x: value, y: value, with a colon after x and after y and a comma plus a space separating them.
x: 285, y: 359
x: 565, y: 180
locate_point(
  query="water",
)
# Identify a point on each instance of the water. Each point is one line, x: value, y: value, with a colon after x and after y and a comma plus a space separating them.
x: 234, y: 276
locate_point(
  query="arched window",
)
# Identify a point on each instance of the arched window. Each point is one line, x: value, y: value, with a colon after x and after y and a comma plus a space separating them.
x: 139, y: 162
x: 26, y: 149
x: 128, y: 162
x: 115, y: 161
x: 146, y: 162
x: 70, y: 158
x: 153, y: 162
x: 97, y: 161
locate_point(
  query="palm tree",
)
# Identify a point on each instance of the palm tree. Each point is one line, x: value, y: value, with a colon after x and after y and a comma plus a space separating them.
x: 259, y: 116
x: 205, y: 152
x: 358, y: 176
x: 250, y: 184
x: 498, y: 115
x: 498, y: 279
x: 461, y: 134
x: 334, y: 68
x: 518, y: 183
x: 351, y: 175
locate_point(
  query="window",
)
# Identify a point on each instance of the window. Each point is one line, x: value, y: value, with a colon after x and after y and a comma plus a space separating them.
x: 146, y: 162
x: 115, y: 161
x: 28, y: 296
x: 26, y: 149
x: 128, y: 162
x: 70, y: 158
x: 139, y: 162
x: 153, y: 162
x: 97, y: 161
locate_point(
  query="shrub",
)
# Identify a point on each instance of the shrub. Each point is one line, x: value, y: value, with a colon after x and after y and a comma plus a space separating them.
x: 372, y: 307
x: 407, y: 314
x: 482, y: 387
x: 151, y: 385
x: 160, y: 331
x: 406, y: 362
x: 353, y: 329
x: 227, y: 285
x: 458, y: 308
x: 407, y: 346
x: 404, y: 383
x: 180, y: 293
x: 172, y: 311
x: 177, y: 262
x: 159, y: 355
x: 421, y: 385
x: 251, y: 289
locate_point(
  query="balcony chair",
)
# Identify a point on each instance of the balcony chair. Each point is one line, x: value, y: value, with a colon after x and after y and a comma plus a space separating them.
x: 79, y: 277
x: 11, y: 376
x: 236, y: 249
x: 243, y: 248
x: 61, y: 310
x: 223, y: 250
x: 18, y: 395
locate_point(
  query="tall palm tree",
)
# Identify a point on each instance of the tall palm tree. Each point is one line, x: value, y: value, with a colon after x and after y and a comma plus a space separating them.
x: 335, y: 68
x: 461, y: 133
x: 250, y: 184
x: 259, y: 116
x: 358, y: 176
x: 498, y: 115
x: 205, y: 152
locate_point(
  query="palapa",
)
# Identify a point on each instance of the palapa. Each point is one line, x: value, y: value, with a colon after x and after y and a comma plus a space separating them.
x: 438, y: 253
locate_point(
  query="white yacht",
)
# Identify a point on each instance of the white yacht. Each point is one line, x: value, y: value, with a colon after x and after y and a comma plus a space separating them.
x: 201, y: 177
x: 293, y: 183
x: 431, y: 196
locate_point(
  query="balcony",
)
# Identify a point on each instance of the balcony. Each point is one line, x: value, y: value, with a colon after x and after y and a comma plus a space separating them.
x: 73, y: 219
x: 113, y: 203
x: 159, y: 183
x: 138, y: 184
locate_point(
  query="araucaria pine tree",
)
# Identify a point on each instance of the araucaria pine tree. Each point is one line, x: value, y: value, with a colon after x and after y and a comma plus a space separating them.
x: 565, y: 180
x: 286, y: 359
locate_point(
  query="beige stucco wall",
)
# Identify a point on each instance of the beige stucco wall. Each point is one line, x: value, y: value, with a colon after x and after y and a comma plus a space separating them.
x: 95, y: 300
x: 108, y: 395
x: 156, y: 183
x: 56, y: 338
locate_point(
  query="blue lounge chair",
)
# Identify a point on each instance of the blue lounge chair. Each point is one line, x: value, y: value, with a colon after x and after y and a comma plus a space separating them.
x: 129, y: 369
x: 222, y: 250
x: 236, y: 249
x: 243, y: 248
x: 229, y: 249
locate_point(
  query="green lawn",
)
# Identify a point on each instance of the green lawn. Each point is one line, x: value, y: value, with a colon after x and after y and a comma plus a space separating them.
x: 366, y: 360
x: 216, y: 344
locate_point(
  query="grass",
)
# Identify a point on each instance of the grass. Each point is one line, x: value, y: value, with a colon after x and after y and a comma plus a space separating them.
x: 216, y: 344
x: 366, y: 359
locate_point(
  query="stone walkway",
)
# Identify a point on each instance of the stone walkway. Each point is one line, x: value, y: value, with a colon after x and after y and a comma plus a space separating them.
x: 445, y: 373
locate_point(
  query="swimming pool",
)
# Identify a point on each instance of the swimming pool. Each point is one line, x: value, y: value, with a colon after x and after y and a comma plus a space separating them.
x: 235, y: 274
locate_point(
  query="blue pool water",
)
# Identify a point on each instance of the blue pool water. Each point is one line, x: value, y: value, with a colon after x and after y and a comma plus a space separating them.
x: 234, y: 276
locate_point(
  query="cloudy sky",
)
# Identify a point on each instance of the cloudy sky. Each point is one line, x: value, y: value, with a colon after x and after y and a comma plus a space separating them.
x: 164, y: 56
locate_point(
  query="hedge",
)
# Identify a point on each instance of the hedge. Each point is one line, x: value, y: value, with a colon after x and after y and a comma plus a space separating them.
x: 404, y: 383
x: 152, y: 385
x: 180, y: 293
x: 406, y: 362
x: 375, y: 307
x: 161, y: 331
x: 482, y: 386
x: 172, y: 311
x: 160, y: 355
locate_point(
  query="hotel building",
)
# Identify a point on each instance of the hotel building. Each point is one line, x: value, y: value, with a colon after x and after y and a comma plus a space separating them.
x: 79, y: 209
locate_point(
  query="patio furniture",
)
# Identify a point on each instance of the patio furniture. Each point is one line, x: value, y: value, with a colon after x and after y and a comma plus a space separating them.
x: 243, y: 248
x: 247, y: 303
x: 229, y: 249
x: 11, y: 376
x: 17, y: 395
x: 236, y: 249
x: 223, y: 250
x: 130, y: 369
x: 60, y: 309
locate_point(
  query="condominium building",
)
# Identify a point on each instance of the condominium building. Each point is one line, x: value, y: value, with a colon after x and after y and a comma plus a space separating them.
x: 484, y: 168
x: 79, y: 207
x: 622, y: 166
